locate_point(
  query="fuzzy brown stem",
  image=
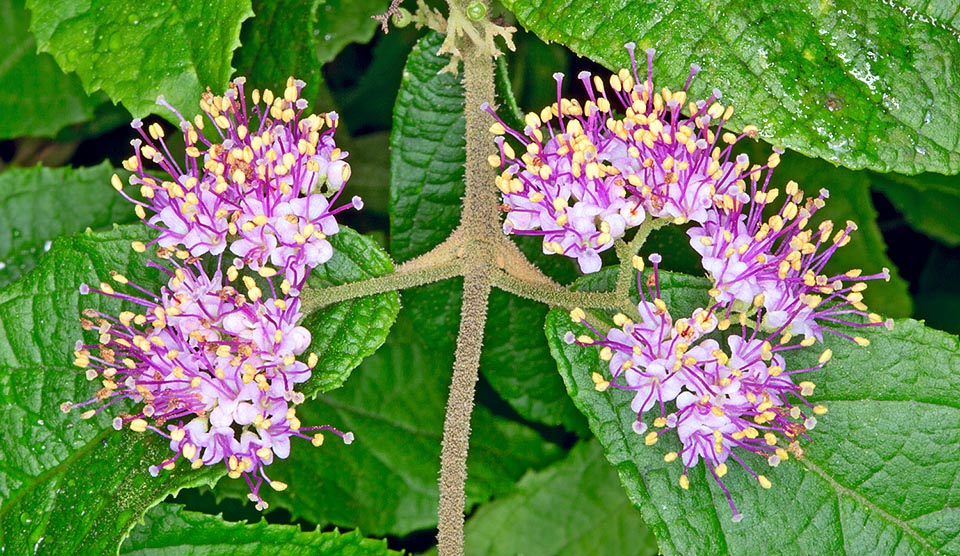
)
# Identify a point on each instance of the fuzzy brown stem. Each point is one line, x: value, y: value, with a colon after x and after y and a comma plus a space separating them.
x: 480, y: 225
x: 456, y: 425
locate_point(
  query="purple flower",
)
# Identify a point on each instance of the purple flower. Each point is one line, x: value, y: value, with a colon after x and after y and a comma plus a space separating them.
x: 774, y: 266
x: 717, y: 400
x: 214, y: 369
x: 583, y: 183
x: 213, y: 357
x: 264, y: 186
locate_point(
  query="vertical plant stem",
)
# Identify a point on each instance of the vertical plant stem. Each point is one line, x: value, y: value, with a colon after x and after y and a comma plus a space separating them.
x: 456, y: 425
x: 480, y: 224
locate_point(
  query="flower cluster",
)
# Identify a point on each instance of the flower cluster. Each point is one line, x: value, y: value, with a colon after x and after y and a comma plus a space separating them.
x: 213, y: 356
x: 584, y: 183
x: 718, y: 378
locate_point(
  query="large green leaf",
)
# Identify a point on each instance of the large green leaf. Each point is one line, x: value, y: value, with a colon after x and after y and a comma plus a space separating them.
x: 386, y: 481
x: 427, y: 153
x: 69, y: 486
x: 38, y: 205
x: 170, y: 530
x: 863, y: 84
x: 575, y: 506
x: 136, y: 51
x: 427, y: 159
x: 879, y: 476
x: 36, y: 98
x: 930, y: 202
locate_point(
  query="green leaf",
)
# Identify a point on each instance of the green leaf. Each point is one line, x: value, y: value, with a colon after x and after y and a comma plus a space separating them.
x: 516, y: 361
x: 36, y: 98
x: 168, y: 529
x: 386, y: 481
x: 929, y: 202
x: 865, y: 85
x: 52, y: 463
x: 38, y: 205
x: 312, y: 36
x: 427, y: 158
x: 341, y: 22
x: 136, y: 51
x: 346, y: 333
x: 268, y: 61
x: 427, y: 153
x: 878, y: 476
x: 575, y: 506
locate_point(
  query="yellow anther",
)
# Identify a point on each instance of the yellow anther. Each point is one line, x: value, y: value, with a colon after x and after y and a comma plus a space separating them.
x: 600, y: 384
x: 138, y: 425
x: 764, y: 482
x: 651, y: 438
x: 684, y: 482
x: 577, y: 315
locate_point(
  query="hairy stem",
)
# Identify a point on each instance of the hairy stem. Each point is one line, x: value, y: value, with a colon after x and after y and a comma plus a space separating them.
x: 456, y: 424
x: 480, y: 224
x: 440, y: 263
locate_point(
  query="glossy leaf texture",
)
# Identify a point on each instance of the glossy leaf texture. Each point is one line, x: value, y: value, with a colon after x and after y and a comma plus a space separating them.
x: 575, y: 506
x: 862, y: 84
x: 929, y: 202
x: 36, y: 98
x: 427, y: 158
x: 169, y: 530
x: 38, y: 205
x: 136, y: 51
x: 69, y: 486
x: 878, y: 477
